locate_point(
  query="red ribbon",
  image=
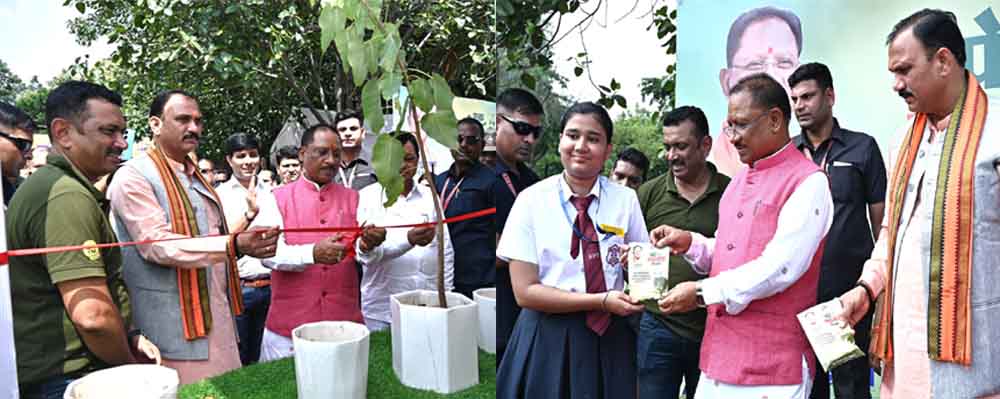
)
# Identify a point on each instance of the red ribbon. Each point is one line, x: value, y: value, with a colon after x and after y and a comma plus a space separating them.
x: 4, y: 256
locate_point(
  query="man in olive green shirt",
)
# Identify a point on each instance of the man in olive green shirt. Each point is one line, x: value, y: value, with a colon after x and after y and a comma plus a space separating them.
x: 667, y: 347
x: 70, y: 308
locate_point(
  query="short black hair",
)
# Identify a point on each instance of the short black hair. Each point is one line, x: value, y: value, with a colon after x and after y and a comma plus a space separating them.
x: 407, y: 137
x: 69, y: 101
x: 239, y: 142
x: 765, y: 92
x: 348, y: 114
x: 688, y: 113
x: 635, y: 157
x: 520, y: 101
x: 287, y: 152
x: 589, y: 108
x: 812, y: 71
x: 308, y: 135
x: 934, y: 29
x: 160, y: 101
x: 12, y: 117
x: 475, y: 123
x: 742, y: 22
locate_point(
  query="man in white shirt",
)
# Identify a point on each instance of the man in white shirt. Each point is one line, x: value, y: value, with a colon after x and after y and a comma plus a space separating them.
x: 763, y: 265
x: 239, y: 197
x: 408, y: 258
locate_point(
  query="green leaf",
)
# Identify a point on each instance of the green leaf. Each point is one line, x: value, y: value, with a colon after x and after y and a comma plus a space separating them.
x: 233, y: 7
x: 390, y: 48
x: 357, y: 58
x: 442, y: 93
x: 387, y: 157
x: 390, y: 83
x: 615, y: 85
x: 504, y: 8
x: 371, y: 105
x: 423, y: 97
x: 578, y: 71
x: 81, y: 7
x: 620, y: 100
x: 331, y: 21
x: 528, y: 80
x: 442, y: 126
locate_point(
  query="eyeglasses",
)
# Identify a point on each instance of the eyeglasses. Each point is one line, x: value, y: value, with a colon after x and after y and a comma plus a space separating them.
x: 471, y: 140
x: 23, y: 145
x: 346, y: 128
x: 524, y: 128
x: 732, y: 130
x: 761, y: 65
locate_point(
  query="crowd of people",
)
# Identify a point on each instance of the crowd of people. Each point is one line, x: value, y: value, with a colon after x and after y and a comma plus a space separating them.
x: 799, y: 220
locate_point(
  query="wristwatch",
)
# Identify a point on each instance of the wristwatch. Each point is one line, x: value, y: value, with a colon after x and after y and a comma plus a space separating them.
x: 698, y: 298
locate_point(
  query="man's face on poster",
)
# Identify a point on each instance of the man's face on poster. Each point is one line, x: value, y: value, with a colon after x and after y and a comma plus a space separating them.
x: 767, y: 45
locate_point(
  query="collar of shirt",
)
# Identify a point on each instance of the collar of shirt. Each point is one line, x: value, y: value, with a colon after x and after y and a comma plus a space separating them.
x: 313, y: 184
x: 566, y: 192
x: 714, y: 182
x: 769, y: 161
x: 64, y: 164
x: 356, y: 161
x: 234, y: 185
x: 188, y: 167
x: 836, y: 135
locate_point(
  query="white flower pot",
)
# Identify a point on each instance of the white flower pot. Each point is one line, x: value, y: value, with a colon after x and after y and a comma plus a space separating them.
x: 434, y: 348
x: 133, y: 381
x: 331, y: 360
x: 486, y: 298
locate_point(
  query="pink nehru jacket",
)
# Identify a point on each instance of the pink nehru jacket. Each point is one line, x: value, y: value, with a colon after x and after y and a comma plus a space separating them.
x: 321, y: 291
x: 764, y: 344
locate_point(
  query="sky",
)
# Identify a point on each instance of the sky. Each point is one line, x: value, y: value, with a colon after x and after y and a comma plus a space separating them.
x: 36, y: 40
x: 619, y: 46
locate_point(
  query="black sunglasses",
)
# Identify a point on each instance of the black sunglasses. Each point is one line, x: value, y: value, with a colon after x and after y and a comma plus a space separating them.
x: 471, y: 140
x: 524, y: 128
x: 23, y: 145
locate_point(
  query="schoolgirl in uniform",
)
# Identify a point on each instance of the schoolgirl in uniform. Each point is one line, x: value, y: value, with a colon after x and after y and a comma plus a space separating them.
x: 563, y: 239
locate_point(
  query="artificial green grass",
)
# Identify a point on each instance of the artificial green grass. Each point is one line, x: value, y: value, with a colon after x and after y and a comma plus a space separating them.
x: 276, y: 379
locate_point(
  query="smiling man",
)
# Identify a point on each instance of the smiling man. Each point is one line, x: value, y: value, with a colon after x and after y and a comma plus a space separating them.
x: 467, y: 186
x: 185, y: 293
x: 763, y: 263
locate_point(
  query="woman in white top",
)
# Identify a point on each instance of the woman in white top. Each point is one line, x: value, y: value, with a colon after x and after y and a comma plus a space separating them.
x: 563, y: 240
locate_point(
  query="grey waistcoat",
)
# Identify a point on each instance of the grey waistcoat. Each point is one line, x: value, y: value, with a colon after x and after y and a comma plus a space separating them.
x: 152, y: 287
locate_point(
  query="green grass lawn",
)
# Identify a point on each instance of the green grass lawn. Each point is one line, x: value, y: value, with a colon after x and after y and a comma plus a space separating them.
x: 277, y: 379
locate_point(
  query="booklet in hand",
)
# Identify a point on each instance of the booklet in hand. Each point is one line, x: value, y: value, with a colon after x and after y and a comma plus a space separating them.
x: 830, y: 338
x: 648, y: 269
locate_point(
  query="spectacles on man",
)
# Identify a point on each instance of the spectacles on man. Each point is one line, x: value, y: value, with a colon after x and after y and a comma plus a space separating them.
x: 761, y: 65
x: 471, y: 140
x: 23, y: 145
x: 346, y: 128
x: 733, y: 130
x: 523, y: 128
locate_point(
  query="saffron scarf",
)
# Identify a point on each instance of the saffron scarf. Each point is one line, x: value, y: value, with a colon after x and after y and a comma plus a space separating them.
x: 949, y: 329
x: 196, y: 312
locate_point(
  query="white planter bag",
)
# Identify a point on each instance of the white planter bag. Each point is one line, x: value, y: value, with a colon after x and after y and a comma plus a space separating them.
x: 331, y: 360
x: 486, y: 298
x: 133, y: 381
x: 435, y: 348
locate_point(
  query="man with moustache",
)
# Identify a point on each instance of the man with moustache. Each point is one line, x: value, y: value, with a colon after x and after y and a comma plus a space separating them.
x: 467, y: 186
x: 71, y: 311
x: 519, y: 126
x: 313, y: 276
x: 764, y: 39
x: 763, y: 263
x: 185, y: 293
x: 686, y: 197
x: 935, y: 262
x: 355, y: 172
x: 630, y: 168
x: 857, y: 180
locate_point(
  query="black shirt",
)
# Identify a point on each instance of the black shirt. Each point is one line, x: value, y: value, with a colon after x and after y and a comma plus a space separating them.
x: 857, y: 174
x: 506, y: 190
x: 474, y: 240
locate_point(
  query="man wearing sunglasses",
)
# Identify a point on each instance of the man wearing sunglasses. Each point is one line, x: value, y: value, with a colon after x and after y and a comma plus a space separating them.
x: 519, y: 125
x: 467, y: 186
x: 355, y: 172
x: 16, y: 130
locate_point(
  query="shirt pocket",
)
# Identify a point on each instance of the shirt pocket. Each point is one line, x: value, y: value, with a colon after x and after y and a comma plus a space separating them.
x: 846, y: 182
x: 763, y: 225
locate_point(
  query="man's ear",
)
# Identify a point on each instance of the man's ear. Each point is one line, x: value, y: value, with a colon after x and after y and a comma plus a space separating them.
x: 154, y: 125
x: 706, y: 144
x: 60, y: 132
x: 724, y: 81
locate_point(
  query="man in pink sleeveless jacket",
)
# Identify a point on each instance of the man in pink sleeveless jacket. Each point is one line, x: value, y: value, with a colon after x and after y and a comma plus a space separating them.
x: 313, y: 275
x: 763, y: 265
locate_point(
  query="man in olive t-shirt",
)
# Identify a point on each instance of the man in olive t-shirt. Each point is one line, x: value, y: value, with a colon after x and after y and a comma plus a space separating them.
x: 70, y: 308
x: 687, y: 195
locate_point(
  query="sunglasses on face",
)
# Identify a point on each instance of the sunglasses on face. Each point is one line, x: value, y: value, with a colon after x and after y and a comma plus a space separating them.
x: 471, y: 140
x: 23, y: 145
x: 346, y: 128
x: 523, y: 128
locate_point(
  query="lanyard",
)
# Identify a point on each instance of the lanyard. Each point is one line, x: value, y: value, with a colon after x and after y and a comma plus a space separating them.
x: 506, y: 179
x: 569, y: 219
x: 348, y: 182
x: 454, y: 190
x: 822, y: 162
